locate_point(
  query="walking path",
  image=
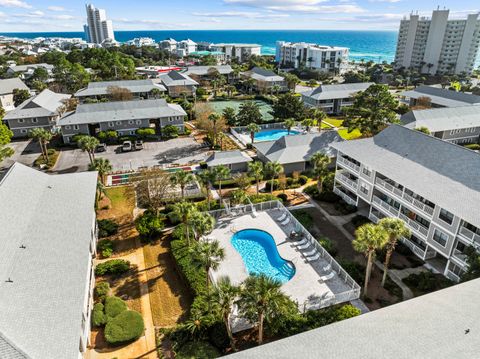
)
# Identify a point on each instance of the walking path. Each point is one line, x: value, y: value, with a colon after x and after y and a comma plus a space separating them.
x: 339, y: 221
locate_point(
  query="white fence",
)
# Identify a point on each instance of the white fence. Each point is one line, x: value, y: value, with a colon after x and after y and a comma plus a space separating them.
x: 315, y: 303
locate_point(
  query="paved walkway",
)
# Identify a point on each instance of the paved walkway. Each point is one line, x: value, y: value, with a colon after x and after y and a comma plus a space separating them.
x: 339, y: 221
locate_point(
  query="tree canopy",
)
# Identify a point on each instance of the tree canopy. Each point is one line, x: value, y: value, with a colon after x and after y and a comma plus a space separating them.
x: 288, y: 106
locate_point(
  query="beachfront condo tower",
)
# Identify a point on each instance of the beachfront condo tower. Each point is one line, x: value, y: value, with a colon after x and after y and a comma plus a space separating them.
x: 98, y: 28
x: 438, y: 45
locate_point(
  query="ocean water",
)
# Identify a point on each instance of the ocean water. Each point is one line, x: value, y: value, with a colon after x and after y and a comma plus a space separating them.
x: 377, y: 46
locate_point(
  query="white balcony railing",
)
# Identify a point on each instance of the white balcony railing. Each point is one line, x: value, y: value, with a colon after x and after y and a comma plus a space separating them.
x: 385, y: 206
x: 420, y: 205
x: 417, y: 250
x: 347, y: 181
x: 373, y: 218
x: 417, y: 227
x: 475, y: 238
x: 344, y: 196
x: 389, y: 187
x: 350, y: 164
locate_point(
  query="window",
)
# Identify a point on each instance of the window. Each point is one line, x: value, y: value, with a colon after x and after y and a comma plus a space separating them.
x: 21, y: 120
x: 119, y: 122
x: 23, y: 131
x: 171, y: 119
x: 446, y: 216
x: 364, y: 189
x: 130, y: 122
x: 76, y: 127
x: 138, y: 122
x: 440, y: 237
x: 110, y: 124
x: 67, y: 127
x: 366, y: 171
x: 34, y: 120
x: 132, y: 132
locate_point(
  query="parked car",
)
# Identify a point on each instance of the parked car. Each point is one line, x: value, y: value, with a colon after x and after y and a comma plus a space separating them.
x: 102, y: 147
x: 127, y: 146
x: 138, y: 145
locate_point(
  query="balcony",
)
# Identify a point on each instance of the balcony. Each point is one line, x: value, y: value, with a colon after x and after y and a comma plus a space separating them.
x: 389, y: 187
x: 385, y: 206
x: 339, y: 176
x: 416, y: 250
x: 346, y: 197
x: 420, y: 205
x: 417, y: 227
x: 473, y: 237
x: 353, y: 166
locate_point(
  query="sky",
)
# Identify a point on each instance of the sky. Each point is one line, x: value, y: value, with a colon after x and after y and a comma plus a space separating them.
x: 58, y: 15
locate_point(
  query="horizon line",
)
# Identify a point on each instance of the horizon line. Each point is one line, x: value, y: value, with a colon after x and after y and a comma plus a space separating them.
x: 311, y: 30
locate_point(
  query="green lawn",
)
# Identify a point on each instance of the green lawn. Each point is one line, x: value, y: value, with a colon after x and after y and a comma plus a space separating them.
x: 332, y: 121
x: 349, y: 136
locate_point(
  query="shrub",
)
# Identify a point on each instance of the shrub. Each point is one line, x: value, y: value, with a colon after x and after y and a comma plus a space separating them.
x: 99, y: 318
x: 170, y: 131
x: 106, y: 228
x: 101, y: 290
x: 173, y: 218
x: 108, y: 136
x: 268, y: 185
x: 113, y: 266
x: 218, y: 336
x: 105, y: 247
x: 149, y: 224
x: 52, y: 159
x: 114, y: 306
x: 184, y: 259
x: 427, y: 281
x: 145, y: 132
x: 302, y: 180
x: 359, y: 220
x: 312, y: 191
x: 201, y: 91
x: 473, y: 146
x: 197, y: 350
x: 304, y: 218
x: 328, y: 245
x: 125, y: 327
x: 258, y: 198
x: 283, y: 197
x: 356, y: 270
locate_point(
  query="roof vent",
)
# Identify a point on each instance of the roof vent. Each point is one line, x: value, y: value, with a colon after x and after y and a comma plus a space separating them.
x: 22, y: 246
x: 9, y: 280
x: 49, y: 187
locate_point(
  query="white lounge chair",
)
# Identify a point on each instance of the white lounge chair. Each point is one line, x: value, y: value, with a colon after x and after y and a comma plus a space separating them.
x: 327, y: 277
x: 313, y: 258
x: 285, y: 222
x: 302, y: 242
x: 282, y: 217
x: 311, y: 253
x: 327, y: 267
x: 304, y: 246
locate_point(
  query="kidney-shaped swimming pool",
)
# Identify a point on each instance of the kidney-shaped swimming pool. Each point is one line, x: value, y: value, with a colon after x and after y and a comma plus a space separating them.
x: 260, y: 255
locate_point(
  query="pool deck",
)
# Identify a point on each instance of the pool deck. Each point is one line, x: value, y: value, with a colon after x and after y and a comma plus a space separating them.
x: 305, y: 285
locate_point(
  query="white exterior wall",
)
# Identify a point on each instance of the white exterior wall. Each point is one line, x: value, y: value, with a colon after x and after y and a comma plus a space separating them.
x: 98, y: 27
x: 438, y: 45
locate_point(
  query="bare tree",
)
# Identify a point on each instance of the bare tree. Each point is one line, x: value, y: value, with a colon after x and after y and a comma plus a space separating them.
x: 153, y: 188
x: 119, y: 93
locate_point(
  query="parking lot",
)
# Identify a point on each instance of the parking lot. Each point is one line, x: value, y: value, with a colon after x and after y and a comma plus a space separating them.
x: 176, y: 151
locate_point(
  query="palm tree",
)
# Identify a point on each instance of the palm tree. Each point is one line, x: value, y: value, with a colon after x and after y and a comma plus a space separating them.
x: 395, y: 229
x: 253, y: 128
x: 319, y: 116
x: 250, y: 83
x: 260, y: 298
x: 224, y: 296
x: 202, y: 223
x: 88, y: 144
x: 206, y: 177
x: 320, y: 164
x: 221, y: 173
x: 276, y: 89
x: 181, y: 178
x: 102, y: 166
x: 43, y: 137
x: 308, y: 122
x: 369, y: 238
x: 273, y: 169
x: 289, y: 123
x: 255, y: 170
x: 208, y: 255
x: 184, y: 210
x: 214, y: 117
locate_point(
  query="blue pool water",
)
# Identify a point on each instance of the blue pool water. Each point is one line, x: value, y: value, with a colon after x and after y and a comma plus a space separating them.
x: 272, y: 135
x: 260, y: 255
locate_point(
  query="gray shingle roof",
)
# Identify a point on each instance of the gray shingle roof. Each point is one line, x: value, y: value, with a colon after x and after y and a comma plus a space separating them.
x: 52, y: 216
x: 203, y: 70
x: 227, y: 157
x: 175, y: 78
x: 120, y: 111
x: 46, y: 103
x: 328, y: 92
x: 433, y: 326
x: 8, y: 85
x: 443, y: 97
x: 443, y: 173
x: 23, y: 68
x: 443, y: 119
x: 262, y: 74
x: 134, y: 86
x: 8, y: 350
x: 298, y: 148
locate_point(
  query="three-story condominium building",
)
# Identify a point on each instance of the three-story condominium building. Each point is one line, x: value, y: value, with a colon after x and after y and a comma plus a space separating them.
x: 47, y: 248
x: 432, y: 185
x: 438, y: 45
x: 240, y: 52
x: 458, y: 125
x: 318, y: 57
x: 332, y: 99
x: 124, y: 117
